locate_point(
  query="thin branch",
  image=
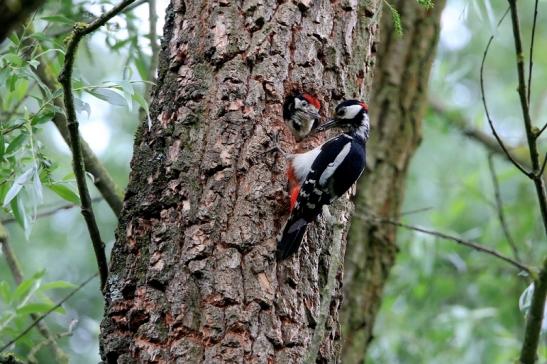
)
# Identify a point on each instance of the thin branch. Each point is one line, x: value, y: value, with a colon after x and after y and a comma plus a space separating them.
x: 48, y: 312
x: 499, y: 209
x: 65, y: 78
x: 128, y: 9
x: 17, y: 275
x: 49, y: 212
x: 541, y: 130
x: 542, y: 169
x: 135, y: 5
x: 415, y: 211
x: 483, y: 96
x: 51, y: 340
x: 531, y: 60
x: 467, y: 243
x: 456, y: 119
x: 535, y: 317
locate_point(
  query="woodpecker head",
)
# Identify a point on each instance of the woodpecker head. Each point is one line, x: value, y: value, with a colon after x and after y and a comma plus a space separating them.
x: 352, y: 115
x: 301, y: 112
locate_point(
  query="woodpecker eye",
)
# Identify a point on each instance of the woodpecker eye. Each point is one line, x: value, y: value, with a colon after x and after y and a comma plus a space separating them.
x: 304, y: 103
x: 341, y: 112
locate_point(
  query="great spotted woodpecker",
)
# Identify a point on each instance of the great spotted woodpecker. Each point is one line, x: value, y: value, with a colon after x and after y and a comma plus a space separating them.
x: 326, y: 172
x: 301, y: 113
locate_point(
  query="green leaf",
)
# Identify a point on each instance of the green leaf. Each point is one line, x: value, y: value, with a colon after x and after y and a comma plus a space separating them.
x: 42, y: 117
x: 58, y: 19
x: 109, y: 96
x: 24, y: 290
x: 142, y: 66
x: 56, y: 285
x: 37, y: 184
x: 33, y: 308
x: 18, y: 211
x: 139, y: 99
x: 2, y: 146
x: 5, y: 292
x: 16, y: 143
x: 18, y: 185
x: 65, y: 193
x: 128, y: 92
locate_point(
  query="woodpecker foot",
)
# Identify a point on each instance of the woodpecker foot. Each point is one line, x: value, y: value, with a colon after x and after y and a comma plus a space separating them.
x: 274, y: 138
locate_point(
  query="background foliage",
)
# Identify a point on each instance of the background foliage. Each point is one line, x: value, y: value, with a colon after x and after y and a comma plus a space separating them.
x: 444, y: 303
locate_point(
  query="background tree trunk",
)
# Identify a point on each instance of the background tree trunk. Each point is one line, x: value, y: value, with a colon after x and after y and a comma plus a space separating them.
x: 397, y: 109
x: 193, y: 274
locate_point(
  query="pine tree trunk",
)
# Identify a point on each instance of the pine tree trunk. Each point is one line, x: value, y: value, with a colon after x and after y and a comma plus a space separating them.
x: 193, y: 273
x: 397, y: 109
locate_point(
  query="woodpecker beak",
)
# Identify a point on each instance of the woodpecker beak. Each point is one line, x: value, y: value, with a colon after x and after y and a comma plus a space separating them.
x: 314, y: 114
x: 329, y: 124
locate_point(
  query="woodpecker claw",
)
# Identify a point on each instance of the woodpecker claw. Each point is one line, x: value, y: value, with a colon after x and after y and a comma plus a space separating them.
x: 274, y: 138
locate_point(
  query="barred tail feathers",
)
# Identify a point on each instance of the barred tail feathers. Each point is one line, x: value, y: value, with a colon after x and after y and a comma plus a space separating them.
x: 293, y: 233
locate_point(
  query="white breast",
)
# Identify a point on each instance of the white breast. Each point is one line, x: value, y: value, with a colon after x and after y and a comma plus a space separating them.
x: 302, y: 163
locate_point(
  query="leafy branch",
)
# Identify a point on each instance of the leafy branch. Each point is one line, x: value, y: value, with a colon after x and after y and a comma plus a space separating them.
x: 48, y: 312
x: 65, y: 79
x: 17, y: 275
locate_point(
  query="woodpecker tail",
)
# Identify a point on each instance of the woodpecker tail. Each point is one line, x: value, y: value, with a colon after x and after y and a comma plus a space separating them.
x: 293, y: 233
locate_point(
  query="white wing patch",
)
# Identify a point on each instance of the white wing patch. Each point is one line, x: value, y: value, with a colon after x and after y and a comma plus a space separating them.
x: 331, y: 168
x: 302, y: 163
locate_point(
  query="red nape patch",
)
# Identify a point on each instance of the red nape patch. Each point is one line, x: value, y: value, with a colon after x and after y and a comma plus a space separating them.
x: 312, y: 100
x: 364, y: 105
x: 294, y: 196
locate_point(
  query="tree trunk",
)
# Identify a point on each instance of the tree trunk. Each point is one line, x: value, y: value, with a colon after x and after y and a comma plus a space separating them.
x: 397, y: 109
x: 193, y: 272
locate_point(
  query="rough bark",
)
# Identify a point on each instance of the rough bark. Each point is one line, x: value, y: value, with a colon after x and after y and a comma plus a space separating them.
x: 193, y: 271
x: 397, y: 109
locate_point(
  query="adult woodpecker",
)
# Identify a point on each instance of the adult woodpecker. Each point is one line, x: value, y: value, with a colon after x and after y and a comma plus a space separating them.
x: 326, y: 172
x: 301, y: 113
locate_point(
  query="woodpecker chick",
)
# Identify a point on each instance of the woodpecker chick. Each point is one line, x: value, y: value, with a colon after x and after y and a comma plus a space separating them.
x: 326, y: 172
x: 301, y: 113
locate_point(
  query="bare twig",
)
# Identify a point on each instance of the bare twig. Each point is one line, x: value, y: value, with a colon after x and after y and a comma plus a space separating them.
x: 135, y: 5
x: 415, y: 211
x: 499, y: 209
x: 17, y: 275
x: 483, y: 96
x: 51, y: 340
x: 541, y: 130
x: 48, y: 312
x: 531, y: 60
x: 51, y: 211
x: 535, y: 316
x: 467, y: 243
x: 65, y: 78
